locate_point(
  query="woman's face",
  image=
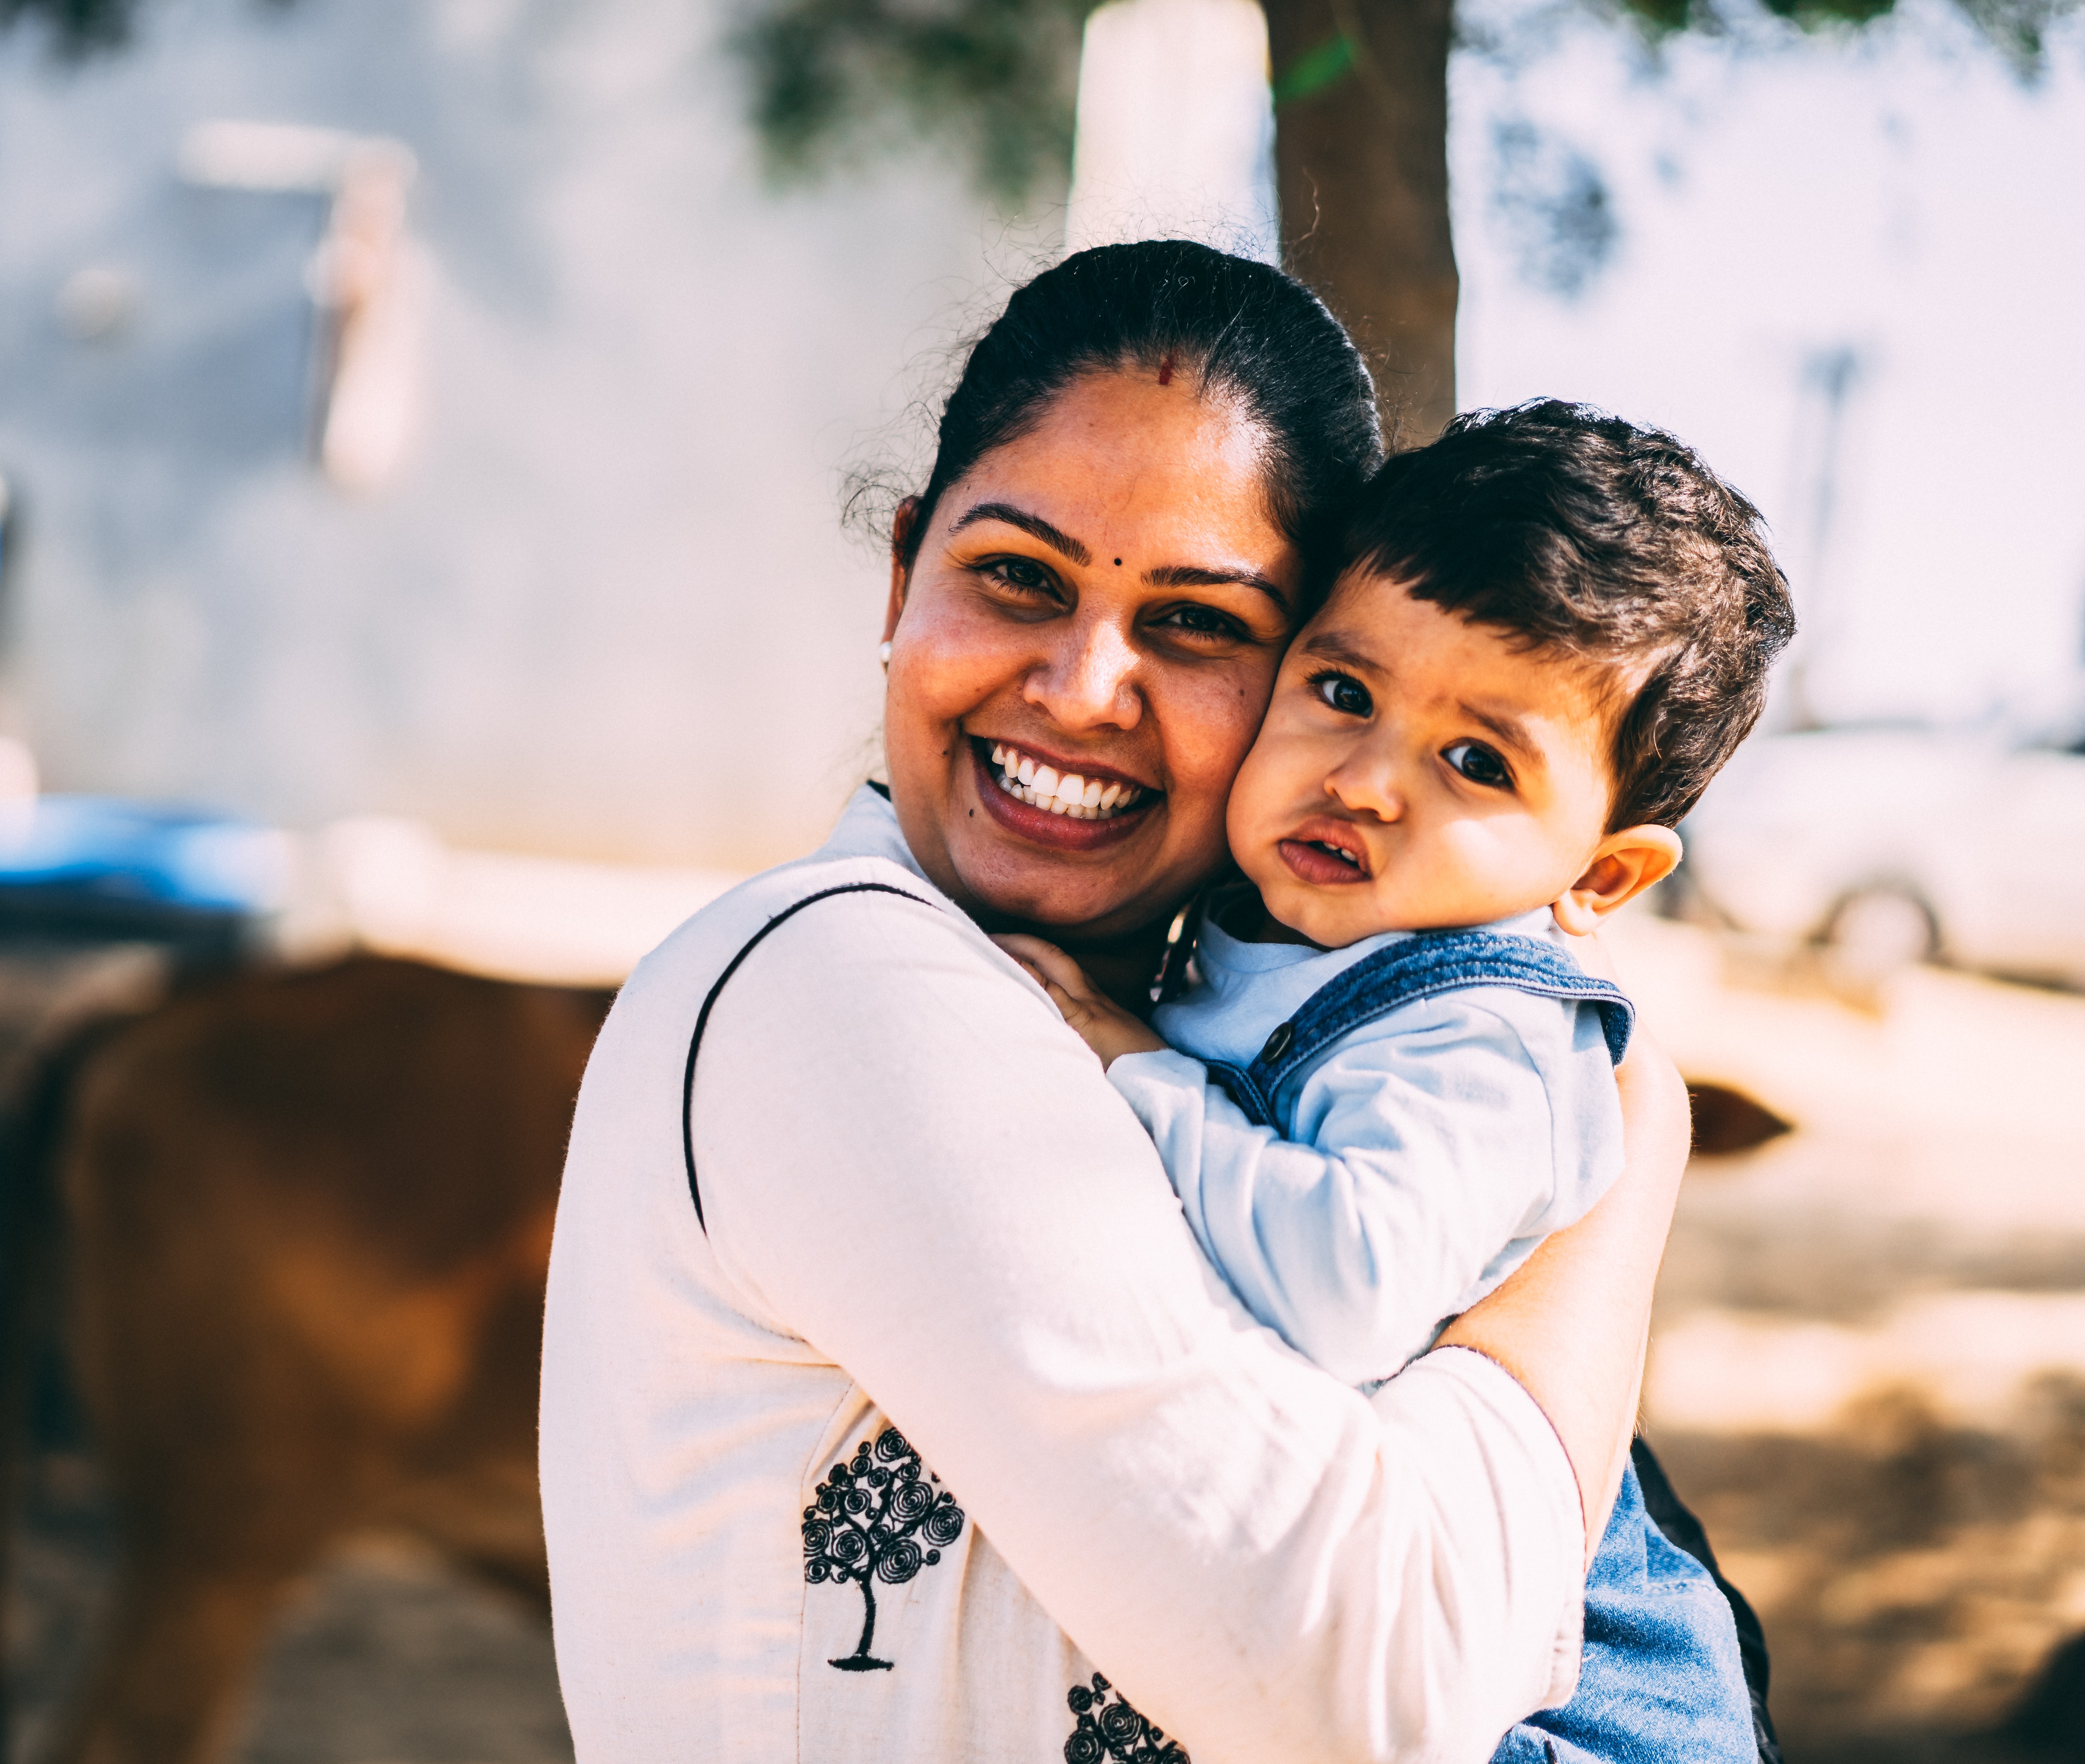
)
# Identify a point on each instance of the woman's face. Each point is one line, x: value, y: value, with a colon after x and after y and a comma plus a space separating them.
x: 1105, y: 599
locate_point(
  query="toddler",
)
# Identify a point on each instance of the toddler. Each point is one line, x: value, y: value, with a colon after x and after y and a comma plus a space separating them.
x: 1390, y: 1079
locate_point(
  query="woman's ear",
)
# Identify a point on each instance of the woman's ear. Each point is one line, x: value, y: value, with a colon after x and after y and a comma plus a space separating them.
x: 1623, y: 866
x: 902, y: 524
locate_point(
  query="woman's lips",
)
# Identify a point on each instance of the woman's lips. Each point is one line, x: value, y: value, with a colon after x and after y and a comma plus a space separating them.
x: 1325, y: 856
x: 1108, y: 807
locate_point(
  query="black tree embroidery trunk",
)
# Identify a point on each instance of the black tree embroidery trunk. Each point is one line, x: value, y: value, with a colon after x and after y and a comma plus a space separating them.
x: 870, y: 1513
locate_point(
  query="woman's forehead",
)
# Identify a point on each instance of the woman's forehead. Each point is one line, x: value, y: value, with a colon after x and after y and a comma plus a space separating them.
x: 1119, y: 462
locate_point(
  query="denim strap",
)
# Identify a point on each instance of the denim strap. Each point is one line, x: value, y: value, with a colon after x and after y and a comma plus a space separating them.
x: 1423, y: 966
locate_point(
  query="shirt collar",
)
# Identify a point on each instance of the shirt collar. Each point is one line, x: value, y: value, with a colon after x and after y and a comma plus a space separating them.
x: 868, y: 828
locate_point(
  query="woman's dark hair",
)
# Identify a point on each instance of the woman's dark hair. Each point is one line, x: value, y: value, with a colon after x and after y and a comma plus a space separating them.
x: 1245, y: 329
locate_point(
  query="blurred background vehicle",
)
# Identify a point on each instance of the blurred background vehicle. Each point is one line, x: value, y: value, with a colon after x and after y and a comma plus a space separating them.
x: 1889, y: 846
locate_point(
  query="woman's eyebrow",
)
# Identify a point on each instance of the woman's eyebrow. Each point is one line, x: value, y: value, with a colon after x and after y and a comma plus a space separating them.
x: 1033, y: 525
x: 1191, y: 575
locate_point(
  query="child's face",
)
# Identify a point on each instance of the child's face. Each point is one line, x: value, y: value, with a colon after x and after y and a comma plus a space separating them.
x: 1416, y: 772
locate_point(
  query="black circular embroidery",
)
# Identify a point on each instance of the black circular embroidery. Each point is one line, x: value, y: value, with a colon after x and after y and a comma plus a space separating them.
x: 1114, y: 1730
x: 863, y: 1529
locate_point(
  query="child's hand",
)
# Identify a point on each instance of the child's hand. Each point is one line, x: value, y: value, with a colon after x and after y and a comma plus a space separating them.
x: 1106, y: 1028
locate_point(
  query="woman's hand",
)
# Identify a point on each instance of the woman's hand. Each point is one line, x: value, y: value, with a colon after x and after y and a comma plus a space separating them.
x: 1105, y: 1027
x: 1572, y: 1322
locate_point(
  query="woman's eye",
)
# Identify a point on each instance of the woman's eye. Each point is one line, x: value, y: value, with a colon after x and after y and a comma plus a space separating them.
x: 1019, y: 573
x: 1203, y: 621
x: 1345, y: 694
x: 1479, y: 765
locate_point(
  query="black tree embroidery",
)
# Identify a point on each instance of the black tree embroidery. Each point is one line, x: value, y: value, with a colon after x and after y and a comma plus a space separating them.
x: 863, y: 1527
x: 1114, y: 1730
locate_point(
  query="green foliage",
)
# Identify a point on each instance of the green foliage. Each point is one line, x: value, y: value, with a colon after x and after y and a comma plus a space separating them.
x: 77, y: 27
x: 994, y: 78
x: 1315, y: 69
x: 2018, y: 29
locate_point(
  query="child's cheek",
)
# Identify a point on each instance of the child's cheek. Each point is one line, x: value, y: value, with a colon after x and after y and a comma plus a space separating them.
x: 1248, y: 821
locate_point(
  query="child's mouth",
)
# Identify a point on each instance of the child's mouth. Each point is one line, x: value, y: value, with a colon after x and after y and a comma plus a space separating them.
x: 1333, y: 859
x: 1026, y: 779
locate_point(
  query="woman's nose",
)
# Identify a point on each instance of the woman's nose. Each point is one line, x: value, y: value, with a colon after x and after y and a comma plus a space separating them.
x: 1088, y: 679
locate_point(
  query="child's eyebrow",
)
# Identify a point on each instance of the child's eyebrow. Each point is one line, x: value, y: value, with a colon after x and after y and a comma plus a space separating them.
x: 1509, y: 728
x: 1033, y: 525
x: 1336, y: 646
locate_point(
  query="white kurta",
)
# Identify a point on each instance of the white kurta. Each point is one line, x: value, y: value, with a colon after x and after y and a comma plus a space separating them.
x: 928, y: 1211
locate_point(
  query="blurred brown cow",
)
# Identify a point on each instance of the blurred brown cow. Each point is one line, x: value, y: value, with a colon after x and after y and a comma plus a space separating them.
x: 307, y: 1220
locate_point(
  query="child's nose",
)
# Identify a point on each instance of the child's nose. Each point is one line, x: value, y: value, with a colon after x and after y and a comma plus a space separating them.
x: 1367, y: 786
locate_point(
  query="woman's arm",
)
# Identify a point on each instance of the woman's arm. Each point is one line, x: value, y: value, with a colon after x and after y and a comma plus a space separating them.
x: 909, y: 1162
x: 1571, y: 1325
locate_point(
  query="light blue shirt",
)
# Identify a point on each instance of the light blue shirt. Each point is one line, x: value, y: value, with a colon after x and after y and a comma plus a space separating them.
x: 1434, y: 1148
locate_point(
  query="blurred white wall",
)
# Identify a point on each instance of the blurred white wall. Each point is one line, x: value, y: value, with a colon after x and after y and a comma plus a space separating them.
x: 604, y: 605
x: 1899, y: 194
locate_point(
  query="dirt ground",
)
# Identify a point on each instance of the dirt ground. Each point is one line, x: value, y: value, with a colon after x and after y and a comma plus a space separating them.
x: 1868, y: 1367
x: 388, y: 1657
x: 1868, y: 1375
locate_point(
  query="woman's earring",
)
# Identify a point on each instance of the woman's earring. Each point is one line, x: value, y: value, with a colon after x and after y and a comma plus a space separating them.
x: 883, y: 655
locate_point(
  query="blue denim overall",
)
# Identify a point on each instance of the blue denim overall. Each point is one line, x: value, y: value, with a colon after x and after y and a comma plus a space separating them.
x: 1663, y: 1680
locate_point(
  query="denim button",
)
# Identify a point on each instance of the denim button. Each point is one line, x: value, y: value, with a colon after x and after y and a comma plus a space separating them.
x: 1277, y: 1044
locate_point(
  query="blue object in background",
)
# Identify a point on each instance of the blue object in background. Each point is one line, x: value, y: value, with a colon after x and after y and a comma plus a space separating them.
x: 97, y: 863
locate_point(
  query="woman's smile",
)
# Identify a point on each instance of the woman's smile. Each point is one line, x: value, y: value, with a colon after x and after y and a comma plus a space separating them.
x: 1071, y: 811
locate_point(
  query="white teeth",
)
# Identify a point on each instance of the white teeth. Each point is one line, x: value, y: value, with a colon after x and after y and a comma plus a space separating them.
x: 1041, y: 786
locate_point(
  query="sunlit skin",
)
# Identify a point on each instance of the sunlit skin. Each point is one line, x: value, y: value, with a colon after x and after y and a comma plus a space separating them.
x: 1415, y: 772
x: 1110, y: 593
x: 1418, y: 772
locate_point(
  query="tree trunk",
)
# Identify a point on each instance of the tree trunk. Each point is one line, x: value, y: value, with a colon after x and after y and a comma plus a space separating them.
x: 1361, y: 158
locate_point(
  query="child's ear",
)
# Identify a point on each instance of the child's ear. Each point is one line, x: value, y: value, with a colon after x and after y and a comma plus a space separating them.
x: 901, y: 534
x: 1623, y: 866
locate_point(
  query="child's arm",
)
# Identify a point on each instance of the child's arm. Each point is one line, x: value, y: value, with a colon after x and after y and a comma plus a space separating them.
x: 1431, y: 1145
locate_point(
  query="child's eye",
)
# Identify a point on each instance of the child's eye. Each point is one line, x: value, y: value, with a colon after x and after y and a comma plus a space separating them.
x: 1479, y: 765
x: 1345, y: 693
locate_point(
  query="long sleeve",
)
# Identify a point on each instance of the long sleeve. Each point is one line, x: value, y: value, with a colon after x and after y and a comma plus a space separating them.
x: 908, y: 1161
x: 1426, y: 1145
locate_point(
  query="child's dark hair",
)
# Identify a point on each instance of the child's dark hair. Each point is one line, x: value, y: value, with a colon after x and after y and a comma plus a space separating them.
x: 1587, y: 535
x: 1243, y: 329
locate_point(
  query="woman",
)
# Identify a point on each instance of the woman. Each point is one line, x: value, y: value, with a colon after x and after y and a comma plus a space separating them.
x: 889, y: 1410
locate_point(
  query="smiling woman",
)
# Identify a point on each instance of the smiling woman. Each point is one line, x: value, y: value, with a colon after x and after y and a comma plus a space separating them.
x: 890, y: 1410
x: 1015, y: 627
